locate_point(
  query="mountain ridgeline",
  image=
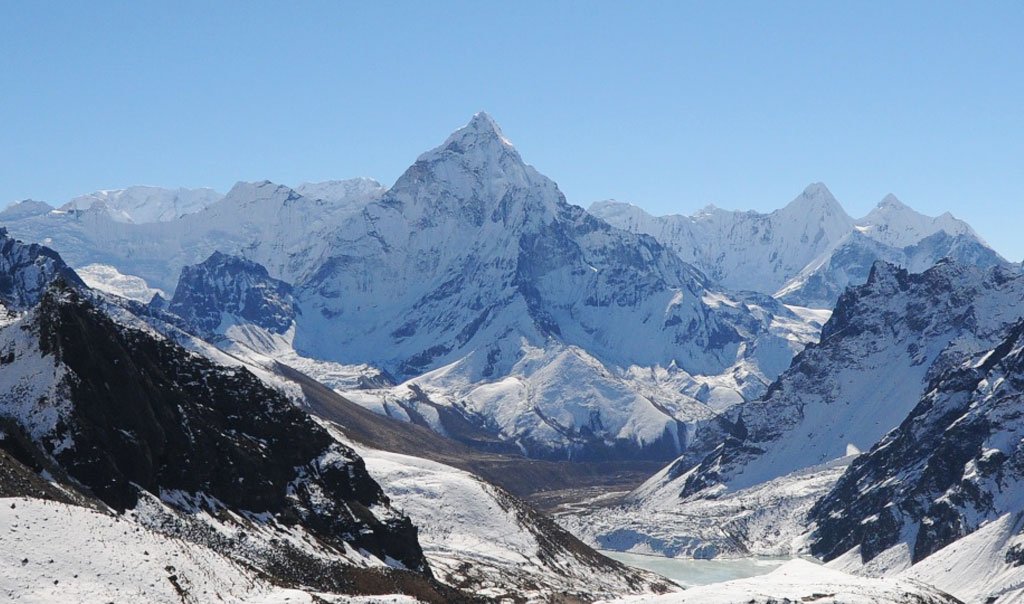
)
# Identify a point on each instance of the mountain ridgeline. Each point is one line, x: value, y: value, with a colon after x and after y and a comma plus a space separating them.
x: 808, y: 252
x: 815, y: 383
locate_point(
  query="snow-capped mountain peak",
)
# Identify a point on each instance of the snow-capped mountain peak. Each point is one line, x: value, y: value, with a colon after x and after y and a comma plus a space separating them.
x: 890, y: 200
x: 807, y: 252
x: 818, y: 209
x: 816, y: 195
x: 894, y: 223
x: 475, y: 173
x: 815, y: 215
x: 481, y: 125
x: 481, y: 139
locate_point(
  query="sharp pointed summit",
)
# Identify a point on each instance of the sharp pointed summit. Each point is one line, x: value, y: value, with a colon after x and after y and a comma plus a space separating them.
x: 480, y: 136
x: 895, y: 223
x: 891, y: 201
x: 816, y: 197
x: 474, y: 171
x: 482, y: 122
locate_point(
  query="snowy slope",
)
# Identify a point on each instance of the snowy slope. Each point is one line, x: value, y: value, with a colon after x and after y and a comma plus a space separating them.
x: 986, y: 566
x: 478, y: 536
x: 55, y: 552
x: 982, y: 568
x: 144, y: 204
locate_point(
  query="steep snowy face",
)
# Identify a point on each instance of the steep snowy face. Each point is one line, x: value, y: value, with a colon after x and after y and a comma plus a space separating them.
x: 849, y: 262
x: 480, y: 538
x: 953, y: 465
x: 895, y: 224
x: 228, y: 289
x: 26, y: 270
x: 353, y: 193
x: 145, y: 204
x: 744, y: 250
x: 883, y: 343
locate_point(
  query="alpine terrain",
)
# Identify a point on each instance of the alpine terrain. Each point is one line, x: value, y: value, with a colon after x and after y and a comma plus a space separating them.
x: 460, y: 387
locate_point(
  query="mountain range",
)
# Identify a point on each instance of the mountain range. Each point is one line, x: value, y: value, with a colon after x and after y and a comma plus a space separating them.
x: 809, y: 251
x: 343, y: 387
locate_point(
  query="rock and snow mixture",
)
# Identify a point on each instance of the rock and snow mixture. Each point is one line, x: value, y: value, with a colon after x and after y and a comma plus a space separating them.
x: 470, y: 297
x: 473, y: 286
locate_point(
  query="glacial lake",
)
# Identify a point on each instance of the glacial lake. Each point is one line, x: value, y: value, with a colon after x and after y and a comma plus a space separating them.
x: 689, y: 572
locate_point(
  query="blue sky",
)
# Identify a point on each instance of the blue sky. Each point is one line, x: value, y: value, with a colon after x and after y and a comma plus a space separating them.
x: 670, y: 105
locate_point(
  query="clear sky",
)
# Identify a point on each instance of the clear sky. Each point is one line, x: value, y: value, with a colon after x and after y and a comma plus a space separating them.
x: 669, y: 105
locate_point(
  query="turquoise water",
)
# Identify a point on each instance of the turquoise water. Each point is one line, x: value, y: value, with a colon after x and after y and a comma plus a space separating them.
x: 689, y: 572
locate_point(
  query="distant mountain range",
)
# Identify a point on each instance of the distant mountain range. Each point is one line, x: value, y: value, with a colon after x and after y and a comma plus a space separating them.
x: 808, y: 252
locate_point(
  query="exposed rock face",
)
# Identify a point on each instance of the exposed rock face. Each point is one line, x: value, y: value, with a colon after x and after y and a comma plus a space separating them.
x: 231, y: 288
x: 141, y: 413
x: 955, y: 463
x: 26, y: 270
